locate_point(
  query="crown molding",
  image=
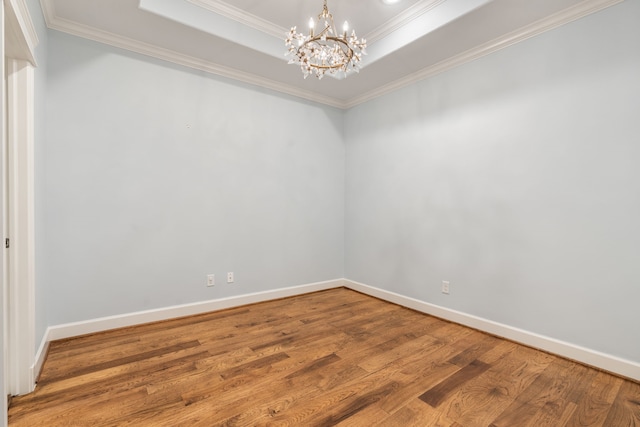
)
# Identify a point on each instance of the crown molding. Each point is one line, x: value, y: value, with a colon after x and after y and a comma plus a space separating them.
x: 573, y: 13
x: 49, y: 11
x: 239, y: 15
x: 28, y: 33
x: 26, y: 24
x: 401, y: 20
x: 268, y: 27
x: 90, y: 33
x: 556, y: 20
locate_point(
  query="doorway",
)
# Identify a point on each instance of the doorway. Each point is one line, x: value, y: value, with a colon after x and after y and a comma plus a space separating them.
x: 17, y: 131
x: 18, y: 198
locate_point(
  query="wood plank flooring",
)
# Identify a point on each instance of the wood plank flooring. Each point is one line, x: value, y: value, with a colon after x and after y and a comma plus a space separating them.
x: 329, y: 358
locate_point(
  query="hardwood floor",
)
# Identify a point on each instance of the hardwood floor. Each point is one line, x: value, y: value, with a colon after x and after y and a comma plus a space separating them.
x: 321, y: 359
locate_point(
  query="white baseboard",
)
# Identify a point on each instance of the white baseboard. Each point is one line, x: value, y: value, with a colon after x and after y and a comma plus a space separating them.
x: 41, y: 355
x: 607, y: 362
x: 69, y: 330
x: 616, y: 365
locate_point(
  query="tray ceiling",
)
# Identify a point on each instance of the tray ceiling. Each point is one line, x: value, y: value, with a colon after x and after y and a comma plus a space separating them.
x: 244, y: 39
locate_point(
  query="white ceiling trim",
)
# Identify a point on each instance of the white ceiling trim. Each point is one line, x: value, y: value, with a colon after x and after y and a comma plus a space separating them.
x: 190, y: 15
x: 73, y: 28
x: 399, y: 21
x: 48, y: 10
x: 239, y: 15
x: 28, y: 32
x: 231, y: 12
x: 566, y: 16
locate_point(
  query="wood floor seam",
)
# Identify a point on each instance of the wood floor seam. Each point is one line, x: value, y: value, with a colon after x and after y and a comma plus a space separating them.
x: 319, y: 359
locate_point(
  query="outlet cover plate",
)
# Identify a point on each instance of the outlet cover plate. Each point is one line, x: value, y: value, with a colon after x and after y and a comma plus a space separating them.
x: 445, y: 287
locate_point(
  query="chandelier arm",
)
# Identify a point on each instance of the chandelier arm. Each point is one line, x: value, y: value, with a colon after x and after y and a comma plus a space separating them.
x: 347, y: 51
x: 326, y: 30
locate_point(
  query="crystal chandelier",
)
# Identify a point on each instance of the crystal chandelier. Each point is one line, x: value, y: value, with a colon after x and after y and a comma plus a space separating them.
x: 325, y: 51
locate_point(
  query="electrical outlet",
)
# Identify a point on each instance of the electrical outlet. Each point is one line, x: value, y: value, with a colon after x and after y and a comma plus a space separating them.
x: 211, y: 279
x: 445, y: 287
x: 230, y: 277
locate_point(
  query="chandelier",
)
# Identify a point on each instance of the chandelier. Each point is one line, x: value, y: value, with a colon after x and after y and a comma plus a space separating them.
x: 325, y: 51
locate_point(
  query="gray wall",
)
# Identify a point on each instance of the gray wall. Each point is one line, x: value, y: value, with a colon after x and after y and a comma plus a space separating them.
x: 157, y: 175
x: 515, y: 177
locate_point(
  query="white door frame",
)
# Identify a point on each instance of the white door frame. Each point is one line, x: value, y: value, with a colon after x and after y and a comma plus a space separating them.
x: 20, y: 39
x: 4, y: 366
x: 21, y: 266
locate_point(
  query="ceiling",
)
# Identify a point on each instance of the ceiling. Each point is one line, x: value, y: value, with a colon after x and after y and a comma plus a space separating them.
x: 244, y: 39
